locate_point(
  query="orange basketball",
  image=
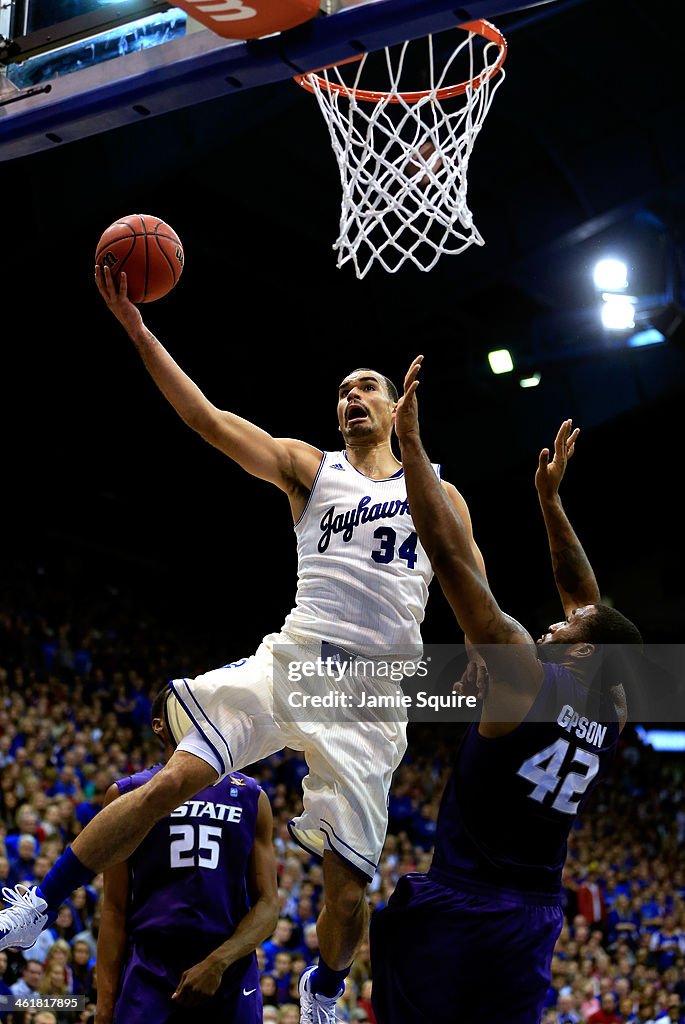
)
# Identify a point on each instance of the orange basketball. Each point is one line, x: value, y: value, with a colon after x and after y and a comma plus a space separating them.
x: 148, y: 250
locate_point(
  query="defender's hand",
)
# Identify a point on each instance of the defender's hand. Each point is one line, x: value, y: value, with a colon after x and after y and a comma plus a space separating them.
x: 407, y: 410
x: 474, y: 681
x: 199, y: 983
x: 549, y: 475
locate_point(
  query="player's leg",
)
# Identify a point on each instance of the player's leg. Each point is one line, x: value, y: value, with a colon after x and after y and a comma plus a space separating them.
x: 233, y: 711
x: 521, y: 952
x: 427, y: 955
x: 122, y: 825
x: 345, y: 817
x: 341, y: 928
x: 109, y: 838
x: 342, y: 924
x: 344, y: 918
x: 147, y: 984
x: 443, y: 956
x: 413, y: 962
x: 153, y: 973
x: 345, y: 793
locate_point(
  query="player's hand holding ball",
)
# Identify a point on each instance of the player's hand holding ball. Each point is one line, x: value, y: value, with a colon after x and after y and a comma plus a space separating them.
x: 147, y: 250
x: 116, y: 297
x: 138, y: 259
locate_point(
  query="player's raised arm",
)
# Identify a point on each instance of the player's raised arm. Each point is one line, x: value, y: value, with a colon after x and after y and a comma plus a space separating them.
x: 461, y: 508
x: 448, y: 545
x: 443, y: 534
x: 573, y: 573
x: 112, y: 940
x: 201, y: 981
x: 289, y: 464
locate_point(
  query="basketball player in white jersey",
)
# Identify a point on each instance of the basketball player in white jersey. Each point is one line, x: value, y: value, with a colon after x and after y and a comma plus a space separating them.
x: 362, y: 589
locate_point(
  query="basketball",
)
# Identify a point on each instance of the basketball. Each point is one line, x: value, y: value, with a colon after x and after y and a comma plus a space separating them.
x: 148, y: 250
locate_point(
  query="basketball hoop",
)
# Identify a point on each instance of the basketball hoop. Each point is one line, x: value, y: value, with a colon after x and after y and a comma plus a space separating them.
x: 403, y: 154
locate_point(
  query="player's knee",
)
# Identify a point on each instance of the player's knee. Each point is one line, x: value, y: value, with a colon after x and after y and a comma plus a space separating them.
x: 163, y: 793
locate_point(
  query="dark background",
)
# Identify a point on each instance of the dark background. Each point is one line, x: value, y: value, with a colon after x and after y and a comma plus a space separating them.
x: 107, y: 492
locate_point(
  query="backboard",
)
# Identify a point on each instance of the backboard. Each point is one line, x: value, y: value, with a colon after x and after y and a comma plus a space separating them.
x: 108, y: 64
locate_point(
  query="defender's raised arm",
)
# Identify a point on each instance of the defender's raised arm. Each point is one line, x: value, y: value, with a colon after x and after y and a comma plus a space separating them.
x: 444, y: 536
x: 573, y: 573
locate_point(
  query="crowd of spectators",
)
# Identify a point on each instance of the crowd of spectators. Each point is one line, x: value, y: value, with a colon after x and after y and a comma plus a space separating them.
x: 75, y: 700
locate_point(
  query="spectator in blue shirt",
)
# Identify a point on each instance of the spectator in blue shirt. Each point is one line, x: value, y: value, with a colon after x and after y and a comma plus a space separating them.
x: 566, y: 1009
x: 23, y: 863
x: 622, y: 920
x: 667, y: 943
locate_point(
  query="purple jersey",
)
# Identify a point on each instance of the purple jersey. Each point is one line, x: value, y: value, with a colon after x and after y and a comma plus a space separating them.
x: 187, y: 877
x: 510, y: 802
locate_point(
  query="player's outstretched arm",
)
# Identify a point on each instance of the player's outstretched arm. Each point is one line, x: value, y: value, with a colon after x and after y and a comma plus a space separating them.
x: 285, y: 462
x: 201, y: 981
x: 111, y: 945
x: 443, y: 534
x: 573, y: 574
x: 449, y: 548
x: 461, y: 508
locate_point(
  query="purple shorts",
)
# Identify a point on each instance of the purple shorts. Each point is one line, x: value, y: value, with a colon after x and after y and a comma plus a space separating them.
x: 446, y: 956
x: 150, y: 978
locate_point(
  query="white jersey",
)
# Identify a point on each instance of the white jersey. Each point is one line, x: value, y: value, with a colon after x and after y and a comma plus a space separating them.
x: 362, y: 574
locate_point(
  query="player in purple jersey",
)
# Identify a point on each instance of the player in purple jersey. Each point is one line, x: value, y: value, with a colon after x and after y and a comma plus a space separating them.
x: 182, y: 918
x: 472, y: 940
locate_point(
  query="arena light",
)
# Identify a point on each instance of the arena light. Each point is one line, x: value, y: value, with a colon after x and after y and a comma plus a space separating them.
x: 662, y: 739
x: 610, y: 275
x: 618, y: 312
x: 649, y: 337
x: 530, y: 382
x: 500, y: 360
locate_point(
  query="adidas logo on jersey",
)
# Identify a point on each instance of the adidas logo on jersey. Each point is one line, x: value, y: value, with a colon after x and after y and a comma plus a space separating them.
x: 336, y: 465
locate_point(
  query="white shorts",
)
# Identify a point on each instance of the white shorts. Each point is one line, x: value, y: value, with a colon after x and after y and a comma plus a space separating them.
x: 237, y: 715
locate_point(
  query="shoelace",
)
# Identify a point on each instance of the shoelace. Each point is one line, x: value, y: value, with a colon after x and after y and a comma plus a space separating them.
x: 20, y: 903
x: 318, y: 1014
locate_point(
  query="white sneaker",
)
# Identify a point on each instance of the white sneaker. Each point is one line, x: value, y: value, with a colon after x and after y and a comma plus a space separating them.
x: 22, y: 922
x: 315, y: 1008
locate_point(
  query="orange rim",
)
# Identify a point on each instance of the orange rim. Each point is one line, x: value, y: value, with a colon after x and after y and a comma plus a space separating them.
x: 481, y: 28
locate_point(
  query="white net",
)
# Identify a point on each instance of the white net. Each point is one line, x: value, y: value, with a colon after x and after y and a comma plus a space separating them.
x: 404, y: 157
